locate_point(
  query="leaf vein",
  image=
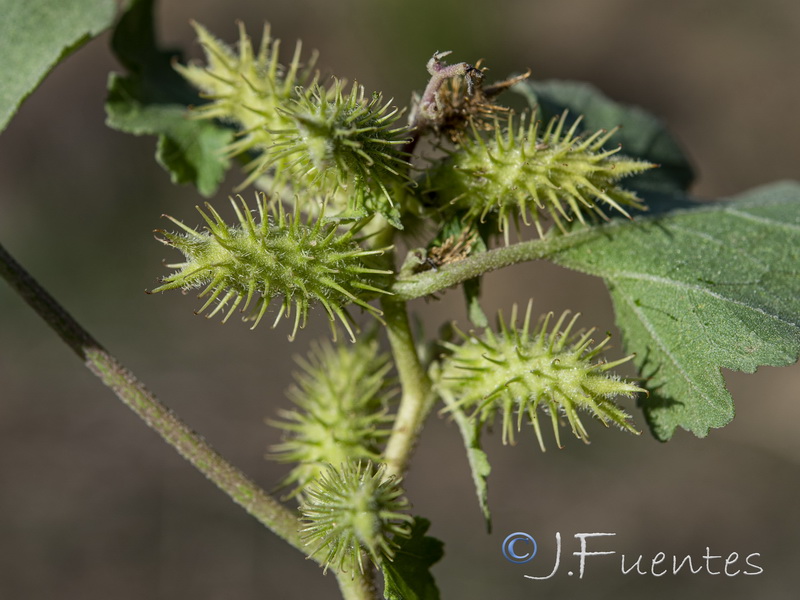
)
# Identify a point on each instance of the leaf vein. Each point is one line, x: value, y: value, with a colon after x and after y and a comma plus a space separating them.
x: 762, y: 220
x: 662, y: 345
x: 719, y: 242
x: 703, y: 290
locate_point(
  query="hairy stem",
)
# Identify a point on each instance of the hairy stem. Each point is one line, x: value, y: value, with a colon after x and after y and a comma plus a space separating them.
x: 156, y: 415
x: 357, y: 586
x: 433, y: 281
x: 417, y: 397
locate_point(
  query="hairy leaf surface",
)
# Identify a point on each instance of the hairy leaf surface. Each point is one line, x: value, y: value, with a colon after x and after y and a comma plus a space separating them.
x: 478, y: 460
x: 36, y: 35
x: 698, y: 289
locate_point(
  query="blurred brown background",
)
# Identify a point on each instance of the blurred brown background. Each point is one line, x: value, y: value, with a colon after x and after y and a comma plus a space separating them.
x: 93, y: 505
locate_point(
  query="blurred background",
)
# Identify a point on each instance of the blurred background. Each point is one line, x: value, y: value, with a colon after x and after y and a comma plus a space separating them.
x: 93, y: 505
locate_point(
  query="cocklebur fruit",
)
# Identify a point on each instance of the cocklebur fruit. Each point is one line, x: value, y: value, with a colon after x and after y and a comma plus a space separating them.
x: 340, y: 141
x: 516, y: 372
x: 250, y: 263
x: 351, y: 511
x: 530, y: 172
x: 301, y: 136
x: 340, y: 412
x: 246, y: 87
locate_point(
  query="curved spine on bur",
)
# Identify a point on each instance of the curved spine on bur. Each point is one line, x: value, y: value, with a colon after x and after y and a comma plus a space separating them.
x: 525, y: 172
x: 518, y: 371
x: 339, y: 140
x: 246, y: 87
x: 341, y: 400
x: 246, y: 265
x: 351, y: 511
x: 299, y: 135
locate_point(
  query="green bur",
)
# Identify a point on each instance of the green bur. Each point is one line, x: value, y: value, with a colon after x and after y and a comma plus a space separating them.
x: 341, y: 400
x: 249, y: 264
x: 525, y: 172
x: 518, y: 370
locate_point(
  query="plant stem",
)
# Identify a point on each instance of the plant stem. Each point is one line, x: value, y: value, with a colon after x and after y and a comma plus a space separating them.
x: 417, y: 397
x: 156, y: 415
x: 357, y: 586
x: 430, y: 282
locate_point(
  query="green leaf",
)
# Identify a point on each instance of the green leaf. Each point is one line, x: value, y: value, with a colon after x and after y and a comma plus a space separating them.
x: 641, y: 134
x: 470, y: 430
x: 153, y: 100
x: 36, y: 35
x: 190, y: 151
x: 472, y: 296
x: 698, y: 289
x: 408, y: 576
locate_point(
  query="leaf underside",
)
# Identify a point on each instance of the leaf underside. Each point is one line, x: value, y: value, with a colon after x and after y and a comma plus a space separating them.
x: 478, y: 460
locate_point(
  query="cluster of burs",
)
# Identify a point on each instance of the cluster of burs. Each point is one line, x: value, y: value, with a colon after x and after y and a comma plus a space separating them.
x: 343, y: 177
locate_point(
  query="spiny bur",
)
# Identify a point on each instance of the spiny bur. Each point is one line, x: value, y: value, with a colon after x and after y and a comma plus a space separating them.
x: 300, y: 136
x: 354, y: 510
x: 524, y: 172
x: 518, y: 371
x: 341, y: 400
x: 342, y: 141
x: 245, y: 87
x: 247, y: 265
